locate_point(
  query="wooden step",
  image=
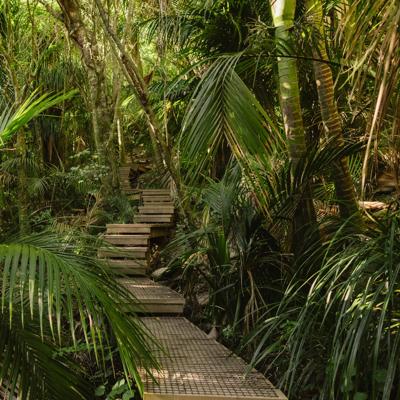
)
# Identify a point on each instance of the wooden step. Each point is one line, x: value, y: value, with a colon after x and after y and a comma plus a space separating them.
x: 153, y: 218
x: 195, y: 367
x: 128, y: 228
x: 127, y: 240
x: 159, y: 204
x: 153, y: 297
x: 156, y: 199
x: 156, y: 192
x: 155, y: 229
x: 128, y: 267
x: 156, y: 209
x: 122, y: 252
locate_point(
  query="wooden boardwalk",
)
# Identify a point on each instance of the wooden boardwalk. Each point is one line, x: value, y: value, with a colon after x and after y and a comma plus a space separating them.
x: 198, y: 368
x: 154, y: 298
x: 193, y: 367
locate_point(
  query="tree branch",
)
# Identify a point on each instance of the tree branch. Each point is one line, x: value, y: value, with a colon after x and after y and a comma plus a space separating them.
x: 57, y: 15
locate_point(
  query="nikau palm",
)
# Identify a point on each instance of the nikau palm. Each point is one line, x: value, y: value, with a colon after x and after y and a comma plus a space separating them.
x: 330, y: 116
x: 283, y: 13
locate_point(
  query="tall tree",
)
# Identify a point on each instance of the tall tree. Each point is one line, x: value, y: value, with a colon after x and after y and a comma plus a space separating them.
x: 283, y: 13
x: 131, y: 67
x: 345, y: 192
x: 87, y: 44
x: 100, y: 101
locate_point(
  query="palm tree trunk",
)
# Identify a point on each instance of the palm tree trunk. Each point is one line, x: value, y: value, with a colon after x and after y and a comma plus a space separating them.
x: 283, y: 12
x: 345, y: 192
x: 283, y: 17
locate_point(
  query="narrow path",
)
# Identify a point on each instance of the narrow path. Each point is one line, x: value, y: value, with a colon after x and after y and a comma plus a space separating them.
x: 194, y: 366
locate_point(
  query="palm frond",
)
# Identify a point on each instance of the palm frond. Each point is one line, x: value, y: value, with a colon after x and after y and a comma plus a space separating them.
x: 47, y: 281
x: 368, y: 34
x: 11, y: 122
x: 223, y: 108
x: 29, y: 365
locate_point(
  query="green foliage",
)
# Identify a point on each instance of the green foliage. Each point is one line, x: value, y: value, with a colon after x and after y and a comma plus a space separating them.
x: 11, y: 122
x: 340, y: 311
x: 53, y: 297
x: 87, y: 176
x: 224, y: 109
x: 326, y: 322
x: 231, y: 252
x: 121, y: 390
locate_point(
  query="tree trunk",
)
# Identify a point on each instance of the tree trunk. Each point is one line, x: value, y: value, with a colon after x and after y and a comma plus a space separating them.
x: 345, y: 192
x: 113, y: 141
x: 132, y: 72
x: 283, y: 17
x: 283, y: 12
x: 134, y: 76
x: 22, y: 192
x: 95, y: 69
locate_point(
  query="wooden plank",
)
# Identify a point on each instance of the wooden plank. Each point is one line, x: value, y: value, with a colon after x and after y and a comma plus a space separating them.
x: 151, y: 192
x: 128, y: 240
x: 156, y: 210
x: 156, y: 199
x: 155, y: 218
x: 122, y: 252
x: 156, y: 196
x: 156, y: 396
x: 159, y: 203
x: 155, y: 229
x: 128, y: 267
x: 153, y: 297
x: 195, y: 367
x: 128, y: 228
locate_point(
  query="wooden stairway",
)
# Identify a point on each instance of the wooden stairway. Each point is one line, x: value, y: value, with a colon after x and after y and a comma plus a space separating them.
x: 194, y: 367
x: 129, y: 254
